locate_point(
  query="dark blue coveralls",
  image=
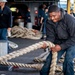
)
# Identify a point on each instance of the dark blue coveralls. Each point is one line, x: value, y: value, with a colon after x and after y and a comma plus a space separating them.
x: 41, y: 13
x: 44, y: 23
x: 28, y: 17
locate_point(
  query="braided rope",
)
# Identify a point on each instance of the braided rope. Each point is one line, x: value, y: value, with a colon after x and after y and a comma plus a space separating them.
x: 35, y: 66
x: 32, y: 48
x: 53, y: 63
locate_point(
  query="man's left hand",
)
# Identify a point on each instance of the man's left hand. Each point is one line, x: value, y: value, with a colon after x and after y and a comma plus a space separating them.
x: 56, y: 48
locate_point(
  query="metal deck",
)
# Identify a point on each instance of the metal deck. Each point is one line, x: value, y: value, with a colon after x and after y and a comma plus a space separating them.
x: 26, y: 58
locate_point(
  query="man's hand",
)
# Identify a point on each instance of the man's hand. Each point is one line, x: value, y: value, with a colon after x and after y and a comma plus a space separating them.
x: 44, y: 46
x: 9, y: 32
x: 56, y: 48
x: 9, y: 29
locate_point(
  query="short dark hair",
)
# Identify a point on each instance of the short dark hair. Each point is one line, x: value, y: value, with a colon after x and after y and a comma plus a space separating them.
x: 53, y: 8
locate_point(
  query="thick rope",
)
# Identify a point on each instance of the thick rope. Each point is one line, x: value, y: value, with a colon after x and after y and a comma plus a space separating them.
x: 35, y: 66
x: 21, y: 51
x: 32, y: 48
x: 21, y: 32
x: 53, y: 63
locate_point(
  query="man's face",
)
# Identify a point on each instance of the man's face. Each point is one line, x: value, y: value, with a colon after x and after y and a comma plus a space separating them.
x: 44, y: 6
x: 55, y: 16
x: 2, y: 3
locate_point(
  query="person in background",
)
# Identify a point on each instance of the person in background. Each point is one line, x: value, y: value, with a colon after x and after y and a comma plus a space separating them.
x: 60, y: 29
x: 44, y: 23
x: 17, y: 17
x: 5, y: 20
x: 72, y: 13
x: 28, y: 16
x: 41, y: 15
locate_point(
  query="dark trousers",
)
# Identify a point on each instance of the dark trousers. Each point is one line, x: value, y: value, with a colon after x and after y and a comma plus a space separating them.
x: 68, y: 66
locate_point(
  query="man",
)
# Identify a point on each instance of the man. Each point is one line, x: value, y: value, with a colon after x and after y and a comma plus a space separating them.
x: 60, y: 30
x: 28, y: 16
x: 5, y: 23
x: 5, y: 20
x: 44, y: 23
x: 41, y: 14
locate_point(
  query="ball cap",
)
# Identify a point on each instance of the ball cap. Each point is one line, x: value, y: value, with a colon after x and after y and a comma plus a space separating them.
x: 3, y: 0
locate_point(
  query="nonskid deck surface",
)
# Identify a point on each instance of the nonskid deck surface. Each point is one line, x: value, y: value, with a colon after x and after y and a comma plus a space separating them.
x: 26, y: 58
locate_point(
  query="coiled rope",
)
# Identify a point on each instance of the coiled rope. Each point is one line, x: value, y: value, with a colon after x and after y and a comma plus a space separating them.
x: 24, y: 32
x: 29, y: 49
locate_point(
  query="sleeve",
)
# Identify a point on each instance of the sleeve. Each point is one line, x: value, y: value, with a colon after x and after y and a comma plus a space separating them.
x: 43, y: 14
x: 10, y: 20
x: 70, y: 22
x: 49, y: 32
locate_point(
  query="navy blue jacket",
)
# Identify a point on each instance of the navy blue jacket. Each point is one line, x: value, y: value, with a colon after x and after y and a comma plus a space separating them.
x: 5, y: 18
x: 28, y: 17
x: 62, y: 32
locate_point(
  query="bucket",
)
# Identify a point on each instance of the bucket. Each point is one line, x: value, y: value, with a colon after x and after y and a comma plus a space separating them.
x: 29, y: 25
x: 3, y: 47
x: 3, y: 52
x: 21, y: 24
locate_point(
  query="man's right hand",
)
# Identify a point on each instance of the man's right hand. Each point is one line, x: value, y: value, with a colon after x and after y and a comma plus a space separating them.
x: 44, y: 46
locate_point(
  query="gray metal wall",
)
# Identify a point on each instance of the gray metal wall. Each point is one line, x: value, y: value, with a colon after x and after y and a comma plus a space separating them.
x: 33, y: 6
